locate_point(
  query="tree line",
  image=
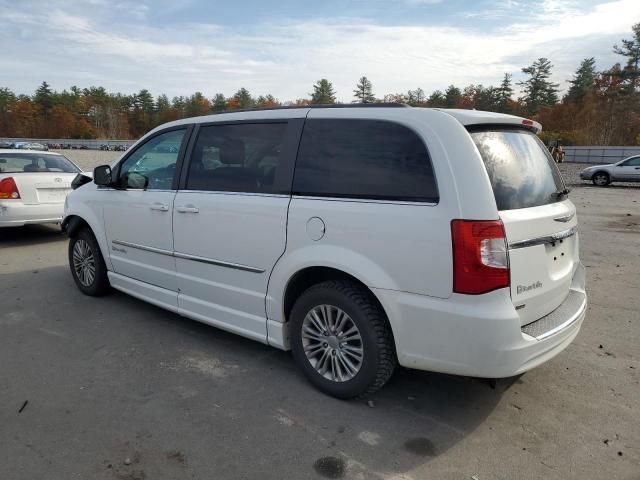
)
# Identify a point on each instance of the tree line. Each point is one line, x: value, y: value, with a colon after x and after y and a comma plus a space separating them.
x: 599, y: 108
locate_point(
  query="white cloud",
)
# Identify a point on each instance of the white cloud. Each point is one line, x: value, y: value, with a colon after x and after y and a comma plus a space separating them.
x: 286, y: 57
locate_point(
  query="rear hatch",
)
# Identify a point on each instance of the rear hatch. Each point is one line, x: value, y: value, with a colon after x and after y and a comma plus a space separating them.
x: 539, y: 220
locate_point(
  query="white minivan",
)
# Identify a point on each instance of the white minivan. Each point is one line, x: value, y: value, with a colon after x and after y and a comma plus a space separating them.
x: 357, y: 237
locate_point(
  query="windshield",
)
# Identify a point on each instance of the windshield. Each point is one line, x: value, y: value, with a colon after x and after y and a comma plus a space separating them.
x: 35, y: 162
x: 521, y: 171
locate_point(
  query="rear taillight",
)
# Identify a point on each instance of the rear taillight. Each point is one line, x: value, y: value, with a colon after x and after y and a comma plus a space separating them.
x: 480, y: 260
x: 8, y: 189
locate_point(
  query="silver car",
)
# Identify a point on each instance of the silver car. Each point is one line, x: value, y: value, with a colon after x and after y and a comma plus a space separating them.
x: 627, y: 170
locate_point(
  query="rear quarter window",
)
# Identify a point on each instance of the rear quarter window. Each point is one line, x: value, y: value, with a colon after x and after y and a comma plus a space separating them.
x: 369, y: 159
x: 521, y: 171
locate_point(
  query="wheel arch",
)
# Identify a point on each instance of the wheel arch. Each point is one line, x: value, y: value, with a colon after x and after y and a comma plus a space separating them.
x: 73, y: 223
x: 308, y: 276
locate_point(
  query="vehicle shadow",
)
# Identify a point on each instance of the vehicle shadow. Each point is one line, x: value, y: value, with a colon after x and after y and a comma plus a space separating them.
x: 30, y: 235
x: 235, y: 395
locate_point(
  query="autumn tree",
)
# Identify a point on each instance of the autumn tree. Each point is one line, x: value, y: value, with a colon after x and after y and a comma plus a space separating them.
x: 583, y: 81
x: 243, y: 99
x: 323, y: 92
x: 538, y: 90
x: 364, y: 91
x: 416, y: 97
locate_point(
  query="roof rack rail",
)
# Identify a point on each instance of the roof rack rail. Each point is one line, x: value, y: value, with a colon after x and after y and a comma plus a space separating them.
x: 318, y: 105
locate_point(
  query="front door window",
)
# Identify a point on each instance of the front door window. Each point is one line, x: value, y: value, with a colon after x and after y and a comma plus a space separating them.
x: 152, y: 166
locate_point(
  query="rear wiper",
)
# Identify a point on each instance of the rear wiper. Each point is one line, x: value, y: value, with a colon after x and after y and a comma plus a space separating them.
x: 560, y: 193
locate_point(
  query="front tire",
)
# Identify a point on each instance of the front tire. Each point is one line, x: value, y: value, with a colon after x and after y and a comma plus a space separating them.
x: 87, y: 264
x: 601, y: 179
x: 341, y: 339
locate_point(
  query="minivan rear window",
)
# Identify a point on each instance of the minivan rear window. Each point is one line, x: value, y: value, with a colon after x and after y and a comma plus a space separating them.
x: 369, y: 159
x: 522, y: 172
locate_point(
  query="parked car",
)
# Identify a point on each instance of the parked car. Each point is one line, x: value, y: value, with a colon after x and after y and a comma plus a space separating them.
x: 30, y: 146
x: 356, y: 237
x: 627, y: 170
x: 33, y: 186
x: 6, y: 145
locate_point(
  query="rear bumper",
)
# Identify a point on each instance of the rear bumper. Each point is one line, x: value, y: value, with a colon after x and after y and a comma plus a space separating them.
x: 14, y: 213
x: 478, y: 336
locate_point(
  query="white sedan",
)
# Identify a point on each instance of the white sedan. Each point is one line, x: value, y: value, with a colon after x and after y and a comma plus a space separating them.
x: 627, y: 170
x: 33, y: 186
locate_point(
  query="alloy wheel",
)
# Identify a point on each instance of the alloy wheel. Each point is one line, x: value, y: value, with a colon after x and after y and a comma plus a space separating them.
x: 332, y: 343
x: 601, y: 180
x: 84, y: 263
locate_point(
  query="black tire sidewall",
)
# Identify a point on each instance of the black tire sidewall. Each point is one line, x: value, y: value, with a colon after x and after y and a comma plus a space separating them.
x: 367, y: 374
x: 606, y: 175
x: 100, y: 282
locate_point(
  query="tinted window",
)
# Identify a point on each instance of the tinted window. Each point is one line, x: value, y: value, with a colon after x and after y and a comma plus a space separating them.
x: 236, y: 158
x: 632, y: 162
x: 521, y: 171
x: 363, y: 159
x: 35, y: 162
x: 153, y: 164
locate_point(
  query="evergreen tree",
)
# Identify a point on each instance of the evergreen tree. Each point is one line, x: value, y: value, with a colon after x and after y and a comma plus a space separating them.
x: 323, y: 92
x: 583, y: 81
x: 538, y: 90
x: 364, y: 91
x: 503, y: 94
x: 162, y: 103
x: 44, y: 98
x: 244, y: 99
x: 436, y: 99
x: 219, y: 103
x: 452, y: 96
x: 631, y: 49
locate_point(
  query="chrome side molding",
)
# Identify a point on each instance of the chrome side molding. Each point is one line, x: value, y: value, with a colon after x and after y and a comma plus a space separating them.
x: 186, y: 256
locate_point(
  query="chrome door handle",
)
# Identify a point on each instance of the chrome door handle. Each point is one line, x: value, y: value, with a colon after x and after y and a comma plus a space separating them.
x: 161, y: 207
x: 187, y: 209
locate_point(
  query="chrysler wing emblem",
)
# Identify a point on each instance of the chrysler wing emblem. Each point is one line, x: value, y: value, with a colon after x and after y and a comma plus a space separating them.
x: 565, y: 218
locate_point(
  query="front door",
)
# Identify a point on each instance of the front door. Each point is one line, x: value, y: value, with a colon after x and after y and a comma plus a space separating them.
x: 138, y: 217
x: 230, y: 223
x: 629, y: 170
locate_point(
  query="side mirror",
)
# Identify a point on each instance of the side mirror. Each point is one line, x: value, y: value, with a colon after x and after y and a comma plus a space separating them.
x: 79, y: 180
x: 102, y: 176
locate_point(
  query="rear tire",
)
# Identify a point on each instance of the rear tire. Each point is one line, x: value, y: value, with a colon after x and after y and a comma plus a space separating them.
x: 87, y: 264
x: 601, y: 179
x: 350, y: 353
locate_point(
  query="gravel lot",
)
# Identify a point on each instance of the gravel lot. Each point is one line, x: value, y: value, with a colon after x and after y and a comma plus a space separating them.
x: 114, y: 388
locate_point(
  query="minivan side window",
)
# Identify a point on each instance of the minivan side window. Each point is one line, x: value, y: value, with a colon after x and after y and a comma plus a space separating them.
x: 152, y: 165
x: 236, y: 157
x: 370, y: 159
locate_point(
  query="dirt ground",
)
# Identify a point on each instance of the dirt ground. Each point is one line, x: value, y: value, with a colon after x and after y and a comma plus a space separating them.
x: 114, y: 388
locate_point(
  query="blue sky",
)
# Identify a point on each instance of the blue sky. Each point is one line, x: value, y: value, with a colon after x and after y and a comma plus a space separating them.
x: 282, y: 47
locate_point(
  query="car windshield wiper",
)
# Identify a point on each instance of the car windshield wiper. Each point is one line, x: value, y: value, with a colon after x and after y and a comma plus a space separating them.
x: 560, y: 194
